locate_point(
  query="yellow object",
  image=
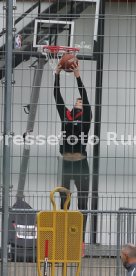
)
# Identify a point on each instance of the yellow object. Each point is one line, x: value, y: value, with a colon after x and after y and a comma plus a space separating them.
x: 63, y: 230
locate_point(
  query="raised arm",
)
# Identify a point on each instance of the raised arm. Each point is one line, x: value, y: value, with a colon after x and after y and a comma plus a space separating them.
x: 81, y: 87
x: 82, y: 91
x: 58, y: 98
x: 83, y: 94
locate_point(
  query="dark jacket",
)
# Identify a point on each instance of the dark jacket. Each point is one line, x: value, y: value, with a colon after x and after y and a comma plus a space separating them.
x: 73, y: 122
x: 131, y: 270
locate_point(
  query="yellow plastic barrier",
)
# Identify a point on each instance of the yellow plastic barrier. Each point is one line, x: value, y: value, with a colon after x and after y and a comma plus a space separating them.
x: 63, y: 230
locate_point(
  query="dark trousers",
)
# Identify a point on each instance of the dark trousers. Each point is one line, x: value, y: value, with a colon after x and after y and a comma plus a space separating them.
x: 79, y: 172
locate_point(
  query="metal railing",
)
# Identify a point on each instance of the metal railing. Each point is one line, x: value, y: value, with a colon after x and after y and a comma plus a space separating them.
x: 114, y: 229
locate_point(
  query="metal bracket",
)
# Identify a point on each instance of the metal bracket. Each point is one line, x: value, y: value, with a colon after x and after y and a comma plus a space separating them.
x: 5, y: 7
x: 4, y: 30
x: 3, y: 81
x: 27, y: 108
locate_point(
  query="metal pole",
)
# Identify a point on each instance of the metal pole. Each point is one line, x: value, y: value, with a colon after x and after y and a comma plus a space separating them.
x: 39, y: 8
x: 30, y: 125
x: 7, y: 131
x: 118, y: 245
x: 97, y: 119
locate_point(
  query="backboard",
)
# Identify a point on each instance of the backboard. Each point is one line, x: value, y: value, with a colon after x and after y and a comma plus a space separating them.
x: 75, y: 25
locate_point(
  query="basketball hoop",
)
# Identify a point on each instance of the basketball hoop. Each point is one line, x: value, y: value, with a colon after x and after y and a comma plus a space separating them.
x: 60, y: 49
x: 54, y: 53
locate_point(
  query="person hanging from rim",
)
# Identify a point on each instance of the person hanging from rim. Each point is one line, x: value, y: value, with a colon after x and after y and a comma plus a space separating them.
x: 75, y: 125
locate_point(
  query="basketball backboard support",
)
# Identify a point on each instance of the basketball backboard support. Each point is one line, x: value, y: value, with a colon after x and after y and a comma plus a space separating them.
x: 76, y: 27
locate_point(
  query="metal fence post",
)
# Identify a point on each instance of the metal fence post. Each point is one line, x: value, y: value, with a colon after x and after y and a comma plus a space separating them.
x: 118, y: 245
x: 7, y: 131
x: 129, y: 231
